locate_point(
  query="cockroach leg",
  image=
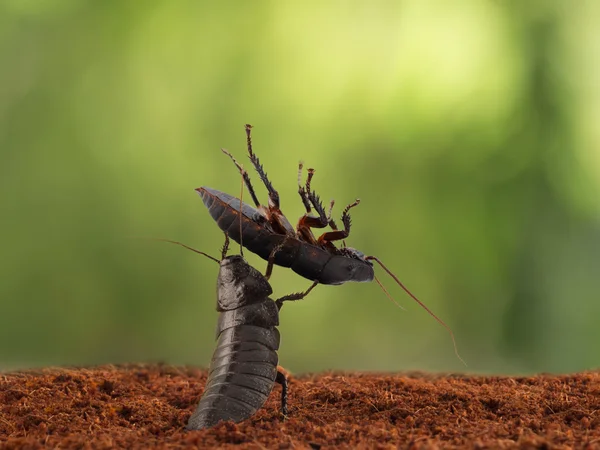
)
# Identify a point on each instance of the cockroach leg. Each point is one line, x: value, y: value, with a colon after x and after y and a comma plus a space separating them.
x: 295, y: 296
x: 307, y: 221
x: 332, y: 223
x: 323, y: 221
x: 340, y: 234
x: 273, y: 194
x: 225, y: 247
x: 302, y: 190
x: 271, y: 260
x: 313, y: 198
x: 282, y: 380
x: 246, y: 178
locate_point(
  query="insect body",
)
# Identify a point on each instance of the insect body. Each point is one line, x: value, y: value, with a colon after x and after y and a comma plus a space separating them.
x: 243, y: 369
x: 268, y: 233
x: 316, y: 263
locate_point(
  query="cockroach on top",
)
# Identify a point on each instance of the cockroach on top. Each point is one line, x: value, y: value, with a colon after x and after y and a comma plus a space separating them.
x: 266, y: 231
x: 243, y: 369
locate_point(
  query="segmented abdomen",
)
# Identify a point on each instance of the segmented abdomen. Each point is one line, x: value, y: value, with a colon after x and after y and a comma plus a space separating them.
x: 306, y: 260
x: 258, y: 236
x: 241, y: 374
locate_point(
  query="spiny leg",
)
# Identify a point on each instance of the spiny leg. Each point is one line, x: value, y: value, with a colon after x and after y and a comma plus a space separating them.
x: 302, y: 189
x: 245, y: 176
x: 322, y: 221
x: 225, y: 247
x: 332, y: 223
x: 282, y: 380
x: 273, y: 194
x: 308, y: 221
x: 309, y: 176
x: 340, y: 234
x: 295, y: 296
x: 271, y: 260
x: 313, y: 198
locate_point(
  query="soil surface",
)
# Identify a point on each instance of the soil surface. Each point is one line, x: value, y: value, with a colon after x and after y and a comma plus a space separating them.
x: 143, y: 406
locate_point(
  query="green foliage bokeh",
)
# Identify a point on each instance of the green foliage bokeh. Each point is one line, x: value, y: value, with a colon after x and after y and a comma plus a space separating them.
x: 468, y: 130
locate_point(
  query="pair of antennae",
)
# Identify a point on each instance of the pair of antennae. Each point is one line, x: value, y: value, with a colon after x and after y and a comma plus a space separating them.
x: 421, y: 304
x: 346, y: 221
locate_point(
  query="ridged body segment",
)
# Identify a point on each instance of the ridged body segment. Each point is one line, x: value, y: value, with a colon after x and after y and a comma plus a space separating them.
x: 305, y: 259
x: 243, y: 368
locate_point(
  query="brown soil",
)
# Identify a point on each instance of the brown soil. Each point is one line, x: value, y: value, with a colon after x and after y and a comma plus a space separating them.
x: 147, y: 406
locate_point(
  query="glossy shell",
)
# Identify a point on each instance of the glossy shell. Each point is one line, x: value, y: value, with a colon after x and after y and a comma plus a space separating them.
x: 305, y: 259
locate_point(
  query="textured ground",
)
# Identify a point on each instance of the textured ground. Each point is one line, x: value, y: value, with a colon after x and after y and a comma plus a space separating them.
x: 147, y: 406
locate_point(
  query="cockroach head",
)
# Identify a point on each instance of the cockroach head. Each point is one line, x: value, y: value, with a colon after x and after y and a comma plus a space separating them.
x: 240, y: 284
x: 345, y: 267
x: 355, y: 254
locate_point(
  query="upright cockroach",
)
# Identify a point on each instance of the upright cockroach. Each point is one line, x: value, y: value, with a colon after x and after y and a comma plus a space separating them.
x: 266, y: 231
x: 243, y: 369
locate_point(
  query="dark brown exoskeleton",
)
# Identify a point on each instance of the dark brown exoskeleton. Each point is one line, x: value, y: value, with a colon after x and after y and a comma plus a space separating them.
x: 243, y: 369
x: 266, y: 231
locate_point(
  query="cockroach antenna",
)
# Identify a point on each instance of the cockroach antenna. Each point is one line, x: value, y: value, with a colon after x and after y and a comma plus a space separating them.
x: 185, y: 246
x: 240, y: 213
x: 423, y: 305
x: 388, y: 294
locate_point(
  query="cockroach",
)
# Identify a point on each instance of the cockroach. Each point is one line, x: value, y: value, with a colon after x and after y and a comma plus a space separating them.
x: 243, y: 369
x: 266, y: 231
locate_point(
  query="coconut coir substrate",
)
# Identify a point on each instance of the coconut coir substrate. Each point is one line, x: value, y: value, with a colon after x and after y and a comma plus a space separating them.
x: 148, y: 406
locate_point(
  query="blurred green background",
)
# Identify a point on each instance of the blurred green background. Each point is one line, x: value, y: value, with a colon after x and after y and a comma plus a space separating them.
x: 468, y: 129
